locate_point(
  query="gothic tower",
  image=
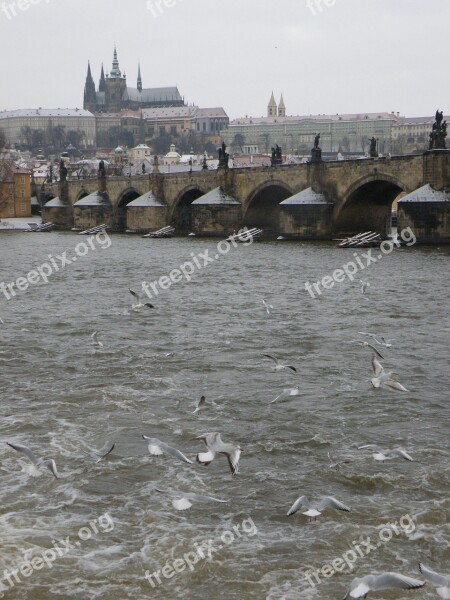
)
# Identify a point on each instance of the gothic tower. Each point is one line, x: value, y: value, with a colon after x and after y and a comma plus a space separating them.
x: 139, y: 79
x: 272, y: 107
x: 115, y: 86
x: 281, y: 108
x: 90, y: 100
x: 102, y: 86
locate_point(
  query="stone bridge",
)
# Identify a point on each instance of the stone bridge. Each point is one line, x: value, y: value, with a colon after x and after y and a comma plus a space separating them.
x: 313, y: 200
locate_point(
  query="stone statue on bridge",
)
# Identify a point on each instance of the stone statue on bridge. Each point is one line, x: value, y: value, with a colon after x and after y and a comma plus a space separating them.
x: 62, y: 170
x: 101, y: 169
x: 316, y: 152
x: 277, y: 156
x: 373, y: 153
x: 438, y: 134
x: 223, y: 156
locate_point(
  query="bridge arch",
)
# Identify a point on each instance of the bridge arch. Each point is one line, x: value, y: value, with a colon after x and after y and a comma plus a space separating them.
x: 181, y: 213
x: 81, y: 194
x: 367, y: 204
x: 120, y: 208
x: 262, y: 208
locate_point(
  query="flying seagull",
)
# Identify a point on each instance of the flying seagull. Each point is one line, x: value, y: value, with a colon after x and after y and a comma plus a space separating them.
x: 442, y: 582
x: 315, y: 509
x: 98, y: 455
x: 37, y: 462
x: 278, y: 365
x: 366, y: 345
x: 200, y: 406
x: 137, y: 307
x: 382, y: 377
x: 286, y: 393
x: 95, y: 341
x: 156, y: 448
x: 364, y: 286
x: 382, y: 455
x: 381, y: 341
x: 182, y: 501
x: 268, y: 307
x: 215, y: 445
x: 361, y: 586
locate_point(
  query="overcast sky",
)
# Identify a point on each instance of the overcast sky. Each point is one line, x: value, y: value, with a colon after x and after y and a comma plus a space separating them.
x: 351, y: 56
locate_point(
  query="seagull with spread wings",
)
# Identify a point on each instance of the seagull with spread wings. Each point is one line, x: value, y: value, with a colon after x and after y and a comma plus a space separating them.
x: 215, y: 445
x: 315, y: 509
x: 37, y: 462
x: 157, y: 448
x: 361, y: 586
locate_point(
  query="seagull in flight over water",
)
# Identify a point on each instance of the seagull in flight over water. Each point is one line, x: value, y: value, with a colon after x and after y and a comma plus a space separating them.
x: 315, y: 509
x: 157, y: 448
x: 215, y: 445
x: 381, y: 455
x: 442, y: 582
x: 382, y: 377
x: 267, y: 306
x: 278, y: 365
x: 95, y: 341
x: 200, y: 406
x: 183, y: 501
x: 137, y: 307
x: 286, y: 393
x: 37, y: 462
x: 366, y: 345
x: 98, y: 455
x: 361, y: 586
x: 381, y: 341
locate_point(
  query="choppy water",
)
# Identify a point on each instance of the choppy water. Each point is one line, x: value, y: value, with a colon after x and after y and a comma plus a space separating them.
x: 59, y: 395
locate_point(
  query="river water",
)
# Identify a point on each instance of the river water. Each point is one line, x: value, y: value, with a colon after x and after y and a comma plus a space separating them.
x: 60, y: 396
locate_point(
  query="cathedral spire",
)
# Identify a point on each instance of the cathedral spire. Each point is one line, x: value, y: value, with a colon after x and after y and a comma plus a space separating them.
x: 102, y: 85
x: 139, y: 80
x: 115, y: 71
x: 89, y: 91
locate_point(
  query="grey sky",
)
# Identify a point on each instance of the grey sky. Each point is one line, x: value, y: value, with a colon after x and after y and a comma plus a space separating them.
x: 355, y: 56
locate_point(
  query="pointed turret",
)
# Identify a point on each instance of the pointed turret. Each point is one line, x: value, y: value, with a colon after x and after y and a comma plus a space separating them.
x: 115, y: 71
x: 139, y: 80
x: 281, y: 108
x: 102, y: 85
x: 272, y: 107
x: 90, y: 99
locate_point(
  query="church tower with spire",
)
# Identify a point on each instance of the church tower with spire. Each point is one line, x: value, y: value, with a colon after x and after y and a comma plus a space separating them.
x: 139, y: 79
x: 281, y: 108
x: 90, y: 99
x: 102, y: 85
x: 272, y: 107
x: 115, y: 86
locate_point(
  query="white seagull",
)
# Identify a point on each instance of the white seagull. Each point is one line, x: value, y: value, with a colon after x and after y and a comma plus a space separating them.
x: 361, y: 586
x: 183, y: 501
x: 442, y: 582
x: 382, y: 377
x: 315, y: 509
x: 137, y: 307
x: 157, y: 448
x: 381, y: 455
x: 98, y: 455
x: 200, y: 406
x: 381, y: 341
x: 286, y: 393
x: 215, y: 445
x: 268, y: 307
x: 37, y: 462
x: 95, y: 341
x: 364, y: 286
x: 366, y: 345
x: 278, y: 365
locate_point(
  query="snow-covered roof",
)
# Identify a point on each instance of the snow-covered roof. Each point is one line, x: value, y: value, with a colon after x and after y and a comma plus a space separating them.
x: 216, y: 196
x: 54, y: 203
x: 93, y: 199
x: 426, y: 194
x: 308, y: 196
x: 46, y: 112
x: 147, y: 199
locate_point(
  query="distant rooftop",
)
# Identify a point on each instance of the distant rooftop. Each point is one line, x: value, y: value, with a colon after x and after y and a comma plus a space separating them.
x: 45, y: 112
x: 323, y: 118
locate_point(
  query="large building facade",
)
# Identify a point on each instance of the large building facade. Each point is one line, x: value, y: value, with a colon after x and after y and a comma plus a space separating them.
x: 114, y: 95
x: 15, y: 191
